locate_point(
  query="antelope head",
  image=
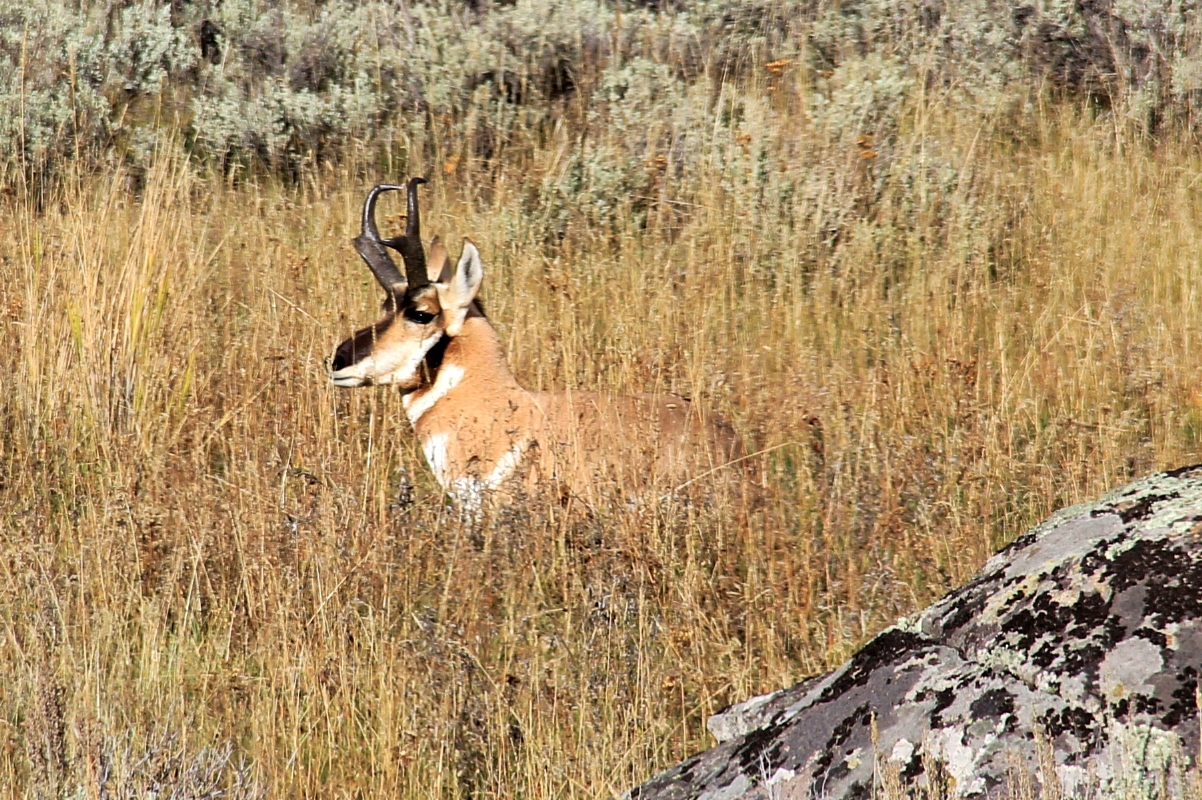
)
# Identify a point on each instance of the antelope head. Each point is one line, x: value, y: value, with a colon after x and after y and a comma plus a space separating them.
x: 429, y: 302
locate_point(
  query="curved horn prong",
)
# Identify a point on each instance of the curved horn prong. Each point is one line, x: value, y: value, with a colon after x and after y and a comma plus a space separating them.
x: 410, y: 245
x: 372, y: 248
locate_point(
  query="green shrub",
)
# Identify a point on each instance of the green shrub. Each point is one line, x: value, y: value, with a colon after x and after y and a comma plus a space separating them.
x: 656, y: 99
x: 288, y: 83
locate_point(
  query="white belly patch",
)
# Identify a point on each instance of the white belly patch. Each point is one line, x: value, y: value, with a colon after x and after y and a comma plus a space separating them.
x: 468, y: 492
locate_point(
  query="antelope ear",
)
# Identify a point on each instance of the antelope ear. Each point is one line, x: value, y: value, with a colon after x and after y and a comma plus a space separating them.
x: 456, y: 294
x: 439, y: 266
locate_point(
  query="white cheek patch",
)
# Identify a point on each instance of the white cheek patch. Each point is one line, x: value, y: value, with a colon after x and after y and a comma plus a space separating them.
x: 402, y: 370
x: 416, y: 405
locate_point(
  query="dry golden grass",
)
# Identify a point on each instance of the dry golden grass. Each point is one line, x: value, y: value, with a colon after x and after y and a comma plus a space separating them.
x: 209, y: 550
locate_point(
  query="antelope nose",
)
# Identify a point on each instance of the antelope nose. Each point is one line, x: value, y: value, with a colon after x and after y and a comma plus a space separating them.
x: 344, y: 356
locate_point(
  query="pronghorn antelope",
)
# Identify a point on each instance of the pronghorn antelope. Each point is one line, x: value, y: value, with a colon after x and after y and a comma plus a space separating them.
x: 483, y: 435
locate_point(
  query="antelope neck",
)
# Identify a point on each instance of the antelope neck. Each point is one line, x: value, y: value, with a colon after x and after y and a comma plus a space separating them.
x: 473, y: 359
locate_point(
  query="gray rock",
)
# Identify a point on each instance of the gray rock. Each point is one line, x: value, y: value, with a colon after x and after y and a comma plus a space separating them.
x: 1081, y: 642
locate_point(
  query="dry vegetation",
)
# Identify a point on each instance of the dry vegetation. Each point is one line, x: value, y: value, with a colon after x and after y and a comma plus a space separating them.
x: 220, y: 574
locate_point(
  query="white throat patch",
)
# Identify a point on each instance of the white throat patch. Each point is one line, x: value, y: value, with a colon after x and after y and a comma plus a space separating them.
x: 416, y: 405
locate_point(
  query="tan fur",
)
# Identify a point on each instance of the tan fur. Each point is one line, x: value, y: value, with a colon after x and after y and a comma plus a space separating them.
x: 576, y: 440
x: 485, y: 436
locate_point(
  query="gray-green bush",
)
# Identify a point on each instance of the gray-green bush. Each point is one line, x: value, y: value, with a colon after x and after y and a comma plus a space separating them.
x: 288, y: 84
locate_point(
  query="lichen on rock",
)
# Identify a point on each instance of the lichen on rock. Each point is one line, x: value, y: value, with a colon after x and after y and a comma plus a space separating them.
x: 1083, y: 637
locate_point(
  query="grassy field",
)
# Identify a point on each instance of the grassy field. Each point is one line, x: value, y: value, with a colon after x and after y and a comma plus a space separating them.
x: 219, y: 572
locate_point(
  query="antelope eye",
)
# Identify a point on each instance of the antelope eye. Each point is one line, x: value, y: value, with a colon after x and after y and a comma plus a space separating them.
x: 420, y: 317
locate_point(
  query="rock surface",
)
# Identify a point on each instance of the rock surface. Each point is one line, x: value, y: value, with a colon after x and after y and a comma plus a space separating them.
x: 1081, y: 642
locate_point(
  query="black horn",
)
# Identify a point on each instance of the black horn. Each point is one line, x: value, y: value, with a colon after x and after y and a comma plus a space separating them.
x: 372, y: 248
x: 410, y: 245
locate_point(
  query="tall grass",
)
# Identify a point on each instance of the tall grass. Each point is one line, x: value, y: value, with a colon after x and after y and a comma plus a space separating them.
x: 221, y: 573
